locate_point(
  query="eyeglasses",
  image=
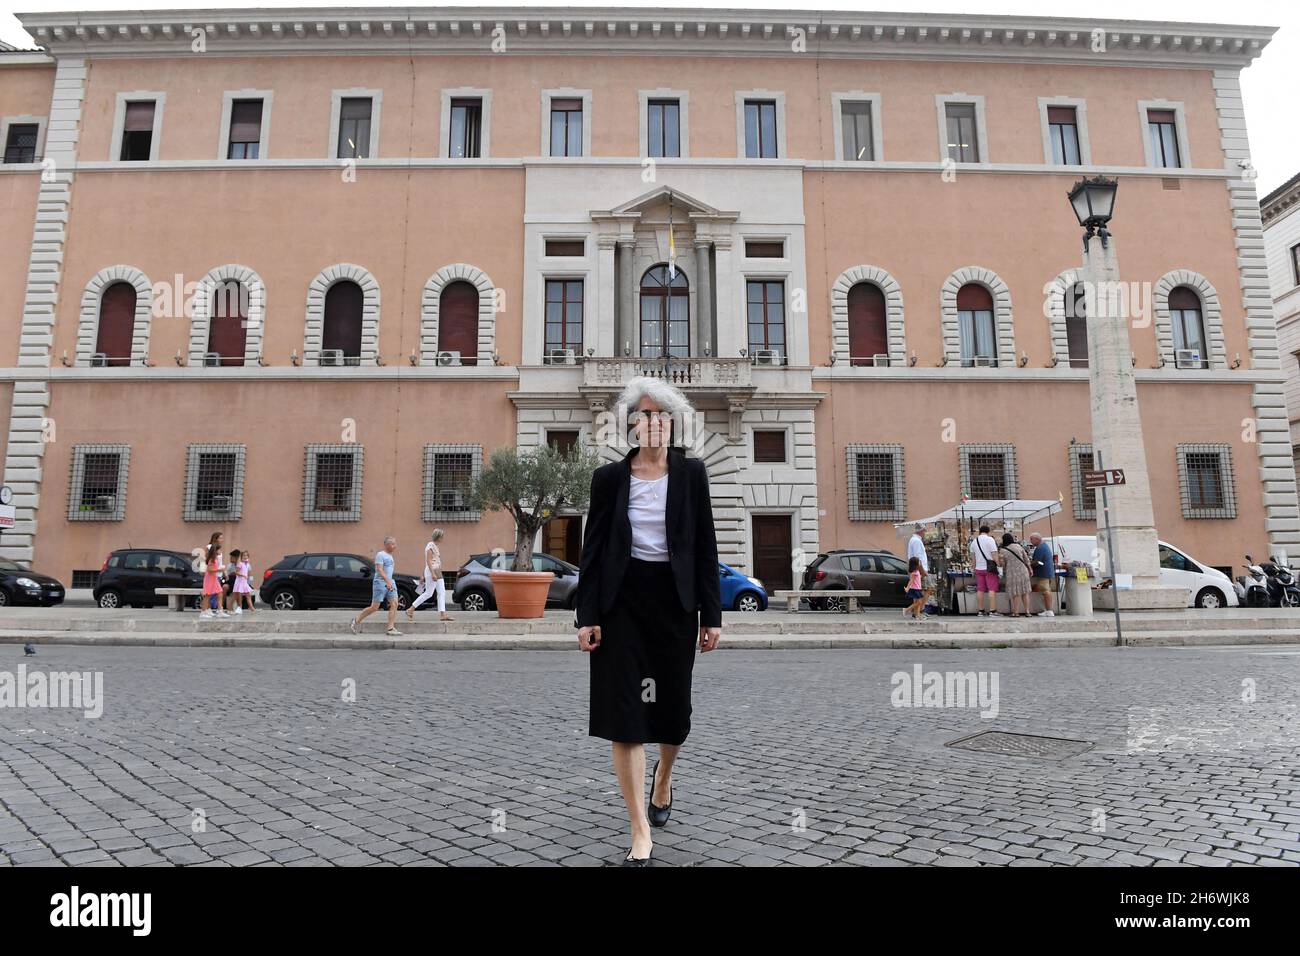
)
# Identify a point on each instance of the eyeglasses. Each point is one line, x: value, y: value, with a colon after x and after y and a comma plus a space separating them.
x: 648, y: 415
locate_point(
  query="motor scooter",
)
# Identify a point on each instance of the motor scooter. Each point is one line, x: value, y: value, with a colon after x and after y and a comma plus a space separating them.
x: 1252, y: 587
x: 1280, y: 581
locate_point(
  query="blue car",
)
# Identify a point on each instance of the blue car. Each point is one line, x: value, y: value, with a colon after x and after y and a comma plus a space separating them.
x: 739, y: 591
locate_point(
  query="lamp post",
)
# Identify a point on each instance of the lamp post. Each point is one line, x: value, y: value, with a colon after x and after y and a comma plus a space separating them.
x: 1116, y: 422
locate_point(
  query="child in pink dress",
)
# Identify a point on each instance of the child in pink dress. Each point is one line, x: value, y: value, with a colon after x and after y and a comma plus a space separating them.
x: 241, y: 593
x: 212, y: 589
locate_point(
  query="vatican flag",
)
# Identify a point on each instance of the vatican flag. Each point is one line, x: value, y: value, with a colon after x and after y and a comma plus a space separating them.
x: 672, y: 253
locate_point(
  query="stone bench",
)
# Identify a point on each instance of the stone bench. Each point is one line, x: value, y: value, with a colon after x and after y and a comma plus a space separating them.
x: 792, y: 598
x: 176, y: 596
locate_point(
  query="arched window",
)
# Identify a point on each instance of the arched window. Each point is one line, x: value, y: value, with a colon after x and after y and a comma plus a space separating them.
x: 1076, y: 326
x: 342, y: 327
x: 868, y: 330
x: 458, y: 321
x: 116, y: 323
x: 1186, y: 317
x: 228, y: 322
x: 665, y: 315
x: 979, y: 341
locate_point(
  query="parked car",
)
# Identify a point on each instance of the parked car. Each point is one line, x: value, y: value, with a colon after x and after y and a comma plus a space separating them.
x: 740, y: 592
x: 129, y: 576
x: 848, y: 569
x: 473, y: 589
x: 1207, y: 586
x: 20, y: 586
x: 305, y: 581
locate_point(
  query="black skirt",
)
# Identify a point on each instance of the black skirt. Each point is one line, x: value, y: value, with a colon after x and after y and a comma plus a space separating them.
x: 641, y: 672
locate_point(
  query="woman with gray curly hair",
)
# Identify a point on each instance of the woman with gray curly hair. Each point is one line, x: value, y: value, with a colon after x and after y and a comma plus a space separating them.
x: 647, y: 591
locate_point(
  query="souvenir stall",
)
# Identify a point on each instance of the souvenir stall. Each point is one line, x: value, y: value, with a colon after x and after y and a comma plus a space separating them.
x: 949, y: 533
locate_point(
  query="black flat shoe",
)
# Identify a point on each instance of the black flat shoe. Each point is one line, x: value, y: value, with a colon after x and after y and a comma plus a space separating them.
x: 630, y: 860
x: 658, y: 816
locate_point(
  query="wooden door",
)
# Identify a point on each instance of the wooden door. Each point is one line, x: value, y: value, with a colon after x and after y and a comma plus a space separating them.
x: 772, y: 550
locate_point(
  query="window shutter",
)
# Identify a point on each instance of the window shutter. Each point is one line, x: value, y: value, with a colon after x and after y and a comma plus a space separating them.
x: 246, y: 121
x: 139, y: 117
x: 1061, y: 114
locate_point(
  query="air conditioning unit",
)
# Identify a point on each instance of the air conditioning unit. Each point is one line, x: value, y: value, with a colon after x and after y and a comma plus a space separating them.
x: 985, y: 361
x: 99, y: 360
x: 767, y: 357
x: 448, y: 358
x: 561, y: 357
x: 221, y: 504
x: 880, y: 359
x: 451, y: 500
x: 330, y: 357
x: 106, y: 503
x: 1187, y: 358
x: 211, y: 359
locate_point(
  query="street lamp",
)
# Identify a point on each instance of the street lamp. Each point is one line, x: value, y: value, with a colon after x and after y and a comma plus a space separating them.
x: 1094, y: 202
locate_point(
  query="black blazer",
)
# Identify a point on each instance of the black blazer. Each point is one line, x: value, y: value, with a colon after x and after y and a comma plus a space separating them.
x: 692, y: 542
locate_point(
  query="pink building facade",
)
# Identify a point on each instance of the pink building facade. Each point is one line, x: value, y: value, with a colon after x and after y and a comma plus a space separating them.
x: 295, y: 274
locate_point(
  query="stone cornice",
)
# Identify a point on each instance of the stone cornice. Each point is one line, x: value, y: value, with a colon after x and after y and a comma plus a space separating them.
x: 1280, y: 201
x: 619, y: 31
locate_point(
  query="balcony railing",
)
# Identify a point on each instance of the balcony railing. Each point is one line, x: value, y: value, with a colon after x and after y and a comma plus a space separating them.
x: 695, y: 372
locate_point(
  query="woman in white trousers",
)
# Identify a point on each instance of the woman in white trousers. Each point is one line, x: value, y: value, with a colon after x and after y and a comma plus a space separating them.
x: 433, y: 582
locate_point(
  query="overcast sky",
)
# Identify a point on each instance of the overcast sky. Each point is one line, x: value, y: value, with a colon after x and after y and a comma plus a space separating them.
x: 1269, y: 85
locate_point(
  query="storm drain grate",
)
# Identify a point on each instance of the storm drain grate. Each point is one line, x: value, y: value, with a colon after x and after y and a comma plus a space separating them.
x: 1020, y: 745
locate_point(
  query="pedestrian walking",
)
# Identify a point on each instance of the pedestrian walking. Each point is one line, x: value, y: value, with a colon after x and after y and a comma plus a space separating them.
x: 915, y: 592
x: 382, y: 588
x: 241, y: 593
x: 1044, y: 572
x: 648, y: 592
x: 213, y: 566
x: 984, y: 557
x: 1018, y: 569
x: 433, y: 582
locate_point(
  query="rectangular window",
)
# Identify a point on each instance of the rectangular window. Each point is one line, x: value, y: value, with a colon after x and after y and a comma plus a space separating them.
x: 564, y: 441
x: 978, y: 336
x: 875, y: 483
x: 246, y: 129
x: 1295, y: 263
x: 1163, y: 130
x: 988, y: 472
x: 20, y: 143
x: 566, y: 127
x: 563, y: 320
x: 769, y: 446
x: 566, y: 247
x: 963, y: 142
x: 1084, y: 499
x: 332, y: 483
x: 663, y: 128
x: 214, y: 483
x: 449, y: 475
x: 764, y: 249
x: 1205, y: 481
x: 137, y: 132
x: 760, y: 129
x: 97, y: 485
x: 1063, y: 130
x: 354, y: 127
x: 466, y: 136
x: 765, y: 308
x: 855, y: 118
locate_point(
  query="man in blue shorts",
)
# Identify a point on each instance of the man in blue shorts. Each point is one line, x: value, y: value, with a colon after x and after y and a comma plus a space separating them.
x: 382, y: 588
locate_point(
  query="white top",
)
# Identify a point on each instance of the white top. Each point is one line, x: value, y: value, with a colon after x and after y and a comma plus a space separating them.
x: 432, y: 548
x: 647, y: 501
x: 988, y: 546
x: 916, y: 549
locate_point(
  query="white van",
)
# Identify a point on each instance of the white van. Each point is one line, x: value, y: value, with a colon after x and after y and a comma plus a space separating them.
x: 1208, y: 587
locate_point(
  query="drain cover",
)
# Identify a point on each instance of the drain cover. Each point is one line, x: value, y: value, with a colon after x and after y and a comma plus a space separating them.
x: 1020, y: 745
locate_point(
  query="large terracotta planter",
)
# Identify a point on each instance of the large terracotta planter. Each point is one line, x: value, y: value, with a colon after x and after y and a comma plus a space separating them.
x: 521, y: 594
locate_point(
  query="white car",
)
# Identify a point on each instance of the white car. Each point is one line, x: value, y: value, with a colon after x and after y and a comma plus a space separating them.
x: 1206, y: 586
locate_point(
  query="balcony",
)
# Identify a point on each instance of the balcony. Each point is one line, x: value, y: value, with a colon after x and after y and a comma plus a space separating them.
x: 722, y: 375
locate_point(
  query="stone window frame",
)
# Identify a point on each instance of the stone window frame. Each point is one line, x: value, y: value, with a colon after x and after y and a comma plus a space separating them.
x: 159, y: 100
x: 1081, y: 510
x: 787, y: 428
x: 1180, y: 131
x: 899, y: 511
x: 431, y: 303
x: 337, y: 97
x: 941, y: 103
x: 428, y: 513
x: 1054, y: 293
x: 894, y: 312
x: 91, y: 296
x: 1010, y: 474
x: 683, y: 120
x: 877, y: 128
x: 309, y: 510
x: 314, y: 322
x: 77, y: 477
x: 228, y: 98
x: 1080, y: 123
x: 566, y: 93
x: 1003, y: 317
x: 1211, y: 316
x: 484, y: 96
x: 41, y: 123
x: 778, y: 97
x: 1224, y: 451
x: 189, y: 504
x: 201, y: 317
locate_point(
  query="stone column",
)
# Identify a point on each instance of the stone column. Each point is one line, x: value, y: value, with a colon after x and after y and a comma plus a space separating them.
x: 729, y: 328
x: 626, y: 320
x: 603, y: 323
x: 1117, y: 424
x: 702, y: 327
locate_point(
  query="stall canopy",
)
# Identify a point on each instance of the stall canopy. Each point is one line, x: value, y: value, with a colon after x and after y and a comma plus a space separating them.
x: 988, y: 511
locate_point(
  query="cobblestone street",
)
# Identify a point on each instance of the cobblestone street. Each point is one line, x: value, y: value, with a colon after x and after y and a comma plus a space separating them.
x: 795, y: 757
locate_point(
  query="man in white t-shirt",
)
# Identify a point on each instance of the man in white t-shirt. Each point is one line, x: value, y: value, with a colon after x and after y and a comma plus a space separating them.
x: 984, y: 551
x: 916, y: 548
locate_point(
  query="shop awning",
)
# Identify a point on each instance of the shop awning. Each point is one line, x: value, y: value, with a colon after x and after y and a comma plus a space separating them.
x: 990, y: 510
